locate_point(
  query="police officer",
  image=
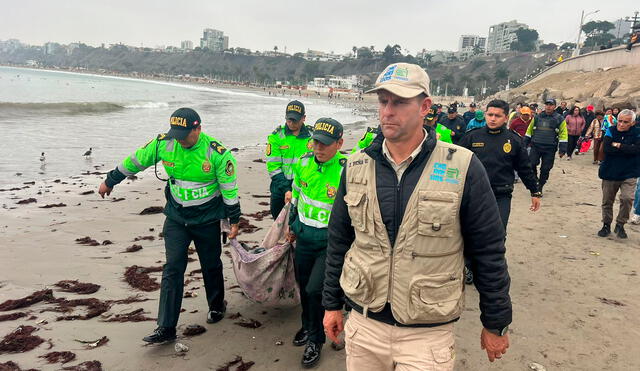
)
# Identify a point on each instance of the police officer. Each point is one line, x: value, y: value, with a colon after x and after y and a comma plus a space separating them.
x: 316, y: 180
x: 431, y: 119
x: 502, y: 153
x: 201, y: 190
x: 284, y: 147
x: 369, y: 135
x: 547, y: 133
x: 455, y: 123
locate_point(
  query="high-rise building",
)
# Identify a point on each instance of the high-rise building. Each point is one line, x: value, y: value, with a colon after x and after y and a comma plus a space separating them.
x: 471, y: 44
x: 502, y: 35
x: 214, y: 40
x: 186, y: 45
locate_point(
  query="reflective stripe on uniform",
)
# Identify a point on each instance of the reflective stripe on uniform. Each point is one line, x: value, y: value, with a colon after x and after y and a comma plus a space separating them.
x: 169, y: 146
x: 284, y: 160
x: 318, y: 204
x: 295, y: 187
x: 228, y: 186
x: 191, y: 185
x: 289, y: 176
x: 197, y: 202
x: 275, y: 172
x: 135, y: 161
x: 124, y: 170
x: 230, y: 201
x: 311, y: 222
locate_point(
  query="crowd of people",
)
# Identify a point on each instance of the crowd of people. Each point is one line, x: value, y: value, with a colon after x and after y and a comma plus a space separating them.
x: 392, y: 232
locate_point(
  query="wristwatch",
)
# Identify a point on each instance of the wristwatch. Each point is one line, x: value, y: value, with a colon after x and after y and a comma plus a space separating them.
x: 537, y: 194
x: 499, y: 332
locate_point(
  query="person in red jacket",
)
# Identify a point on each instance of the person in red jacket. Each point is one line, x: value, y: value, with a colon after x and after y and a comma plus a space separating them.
x: 521, y: 123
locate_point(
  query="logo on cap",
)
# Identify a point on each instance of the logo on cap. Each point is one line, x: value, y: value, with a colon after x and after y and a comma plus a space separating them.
x: 324, y: 126
x: 394, y: 72
x: 179, y: 121
x: 294, y: 108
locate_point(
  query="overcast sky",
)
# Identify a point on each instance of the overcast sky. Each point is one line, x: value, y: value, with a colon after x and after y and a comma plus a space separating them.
x: 327, y: 25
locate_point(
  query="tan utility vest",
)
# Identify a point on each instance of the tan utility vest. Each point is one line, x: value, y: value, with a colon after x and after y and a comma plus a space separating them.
x: 422, y: 275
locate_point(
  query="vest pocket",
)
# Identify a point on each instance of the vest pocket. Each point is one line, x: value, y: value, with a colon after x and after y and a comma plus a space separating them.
x: 436, y: 210
x: 357, y: 206
x: 435, y: 298
x: 356, y: 280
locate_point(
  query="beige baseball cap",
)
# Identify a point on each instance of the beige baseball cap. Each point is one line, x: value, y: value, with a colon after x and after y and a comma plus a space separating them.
x: 404, y: 80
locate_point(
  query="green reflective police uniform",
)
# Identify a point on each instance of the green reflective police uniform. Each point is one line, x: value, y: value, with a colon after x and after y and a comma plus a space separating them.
x: 201, y: 190
x: 366, y: 139
x: 314, y: 189
x: 283, y: 150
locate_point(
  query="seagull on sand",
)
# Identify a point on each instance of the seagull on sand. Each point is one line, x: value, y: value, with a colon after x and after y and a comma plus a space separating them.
x: 42, y: 157
x: 88, y: 153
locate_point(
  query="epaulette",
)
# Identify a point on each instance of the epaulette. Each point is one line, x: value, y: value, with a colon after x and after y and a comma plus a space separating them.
x: 163, y: 136
x: 474, y: 129
x: 343, y: 162
x: 218, y: 147
x: 375, y: 130
x: 309, y: 127
x: 277, y: 130
x: 307, y: 155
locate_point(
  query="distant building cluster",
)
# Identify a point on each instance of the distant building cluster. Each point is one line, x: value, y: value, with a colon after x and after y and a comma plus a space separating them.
x: 502, y: 35
x: 471, y: 44
x: 214, y: 40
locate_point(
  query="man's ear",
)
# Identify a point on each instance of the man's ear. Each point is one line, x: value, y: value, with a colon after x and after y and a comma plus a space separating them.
x: 425, y: 106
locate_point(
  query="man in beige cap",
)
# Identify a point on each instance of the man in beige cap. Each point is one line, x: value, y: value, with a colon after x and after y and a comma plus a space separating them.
x: 408, y: 208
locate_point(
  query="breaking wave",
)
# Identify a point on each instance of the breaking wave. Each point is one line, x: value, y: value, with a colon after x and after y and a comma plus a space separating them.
x: 74, y: 108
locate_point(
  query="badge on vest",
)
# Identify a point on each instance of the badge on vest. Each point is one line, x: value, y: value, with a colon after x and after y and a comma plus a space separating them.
x: 477, y: 145
x: 269, y: 149
x: 331, y: 192
x: 206, y: 166
x: 442, y: 173
x: 310, y: 145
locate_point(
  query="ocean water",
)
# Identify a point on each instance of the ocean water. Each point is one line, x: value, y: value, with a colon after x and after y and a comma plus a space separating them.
x: 64, y: 114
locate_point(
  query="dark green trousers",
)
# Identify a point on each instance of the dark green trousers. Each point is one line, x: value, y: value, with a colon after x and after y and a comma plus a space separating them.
x: 310, y: 258
x: 177, y: 238
x: 277, y: 190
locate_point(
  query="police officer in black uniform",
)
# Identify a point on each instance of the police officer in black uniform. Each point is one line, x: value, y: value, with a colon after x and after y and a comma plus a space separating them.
x: 502, y: 153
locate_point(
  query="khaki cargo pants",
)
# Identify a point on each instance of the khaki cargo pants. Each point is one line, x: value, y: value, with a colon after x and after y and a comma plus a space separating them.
x: 375, y: 346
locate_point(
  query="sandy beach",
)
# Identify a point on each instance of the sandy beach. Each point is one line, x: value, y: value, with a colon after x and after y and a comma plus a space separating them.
x: 574, y: 295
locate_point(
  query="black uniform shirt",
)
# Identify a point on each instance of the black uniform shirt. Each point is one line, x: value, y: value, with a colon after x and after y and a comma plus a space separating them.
x: 502, y: 152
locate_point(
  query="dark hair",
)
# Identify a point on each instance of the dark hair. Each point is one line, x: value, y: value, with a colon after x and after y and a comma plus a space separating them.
x: 420, y: 97
x: 498, y: 103
x: 599, y: 113
x: 574, y: 108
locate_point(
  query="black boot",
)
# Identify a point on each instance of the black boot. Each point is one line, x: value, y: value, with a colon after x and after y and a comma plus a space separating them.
x: 605, y: 231
x: 301, y: 338
x: 311, y: 355
x: 215, y: 316
x: 161, y: 335
x: 619, y: 231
